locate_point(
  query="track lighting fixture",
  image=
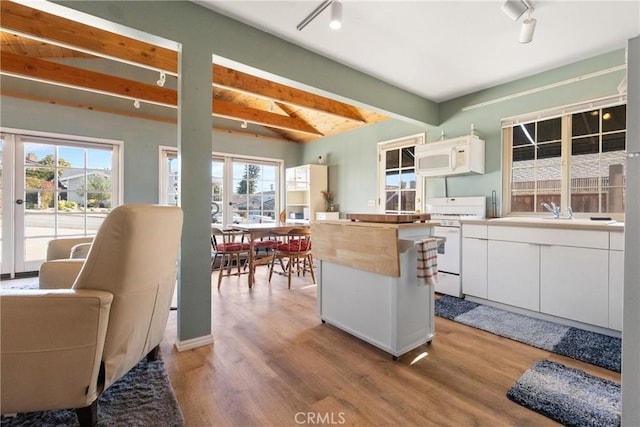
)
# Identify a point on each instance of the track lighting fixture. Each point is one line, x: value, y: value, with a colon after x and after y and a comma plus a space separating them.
x: 162, y: 79
x: 136, y: 103
x: 514, y: 9
x: 336, y: 15
x: 527, y: 28
x: 244, y: 124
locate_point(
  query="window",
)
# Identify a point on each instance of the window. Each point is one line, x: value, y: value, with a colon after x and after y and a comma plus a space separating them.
x: 399, y: 185
x: 243, y: 189
x: 575, y: 160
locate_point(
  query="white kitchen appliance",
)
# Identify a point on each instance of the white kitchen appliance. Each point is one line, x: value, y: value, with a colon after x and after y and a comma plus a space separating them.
x: 456, y: 156
x: 449, y: 211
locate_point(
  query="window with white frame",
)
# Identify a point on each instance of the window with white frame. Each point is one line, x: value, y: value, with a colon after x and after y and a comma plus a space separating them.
x: 400, y: 188
x: 575, y: 159
x: 243, y: 189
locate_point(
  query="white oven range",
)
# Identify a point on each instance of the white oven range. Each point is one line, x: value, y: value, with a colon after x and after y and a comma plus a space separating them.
x: 448, y: 211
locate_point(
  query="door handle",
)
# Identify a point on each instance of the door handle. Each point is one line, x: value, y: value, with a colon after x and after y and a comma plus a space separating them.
x: 19, y: 202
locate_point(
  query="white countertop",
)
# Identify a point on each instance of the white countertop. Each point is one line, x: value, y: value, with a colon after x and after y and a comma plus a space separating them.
x: 549, y: 222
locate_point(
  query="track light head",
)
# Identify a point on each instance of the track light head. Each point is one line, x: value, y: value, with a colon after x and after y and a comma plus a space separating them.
x: 336, y: 15
x: 136, y: 103
x: 514, y: 9
x: 527, y: 28
x: 162, y: 79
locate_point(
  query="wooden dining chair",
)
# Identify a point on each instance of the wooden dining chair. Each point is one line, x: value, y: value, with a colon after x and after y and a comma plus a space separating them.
x: 230, y: 247
x: 294, y: 254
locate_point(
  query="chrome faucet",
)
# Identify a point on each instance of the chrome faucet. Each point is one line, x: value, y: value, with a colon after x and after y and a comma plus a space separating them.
x: 553, y: 208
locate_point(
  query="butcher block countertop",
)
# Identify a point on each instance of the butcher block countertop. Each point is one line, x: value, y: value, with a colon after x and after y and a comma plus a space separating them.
x: 368, y: 246
x: 575, y: 224
x: 390, y: 225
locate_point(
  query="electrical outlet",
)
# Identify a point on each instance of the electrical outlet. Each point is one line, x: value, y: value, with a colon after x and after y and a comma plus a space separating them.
x: 371, y: 203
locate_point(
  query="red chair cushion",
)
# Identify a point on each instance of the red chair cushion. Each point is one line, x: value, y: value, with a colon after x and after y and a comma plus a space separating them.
x: 233, y: 247
x: 293, y: 246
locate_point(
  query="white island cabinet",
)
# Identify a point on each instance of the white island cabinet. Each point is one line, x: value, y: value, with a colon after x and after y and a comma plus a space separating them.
x: 368, y: 284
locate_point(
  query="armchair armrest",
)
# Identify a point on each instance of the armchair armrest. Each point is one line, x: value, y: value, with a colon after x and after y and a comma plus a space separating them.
x: 61, y: 248
x: 59, y: 273
x: 81, y: 250
x: 52, y: 339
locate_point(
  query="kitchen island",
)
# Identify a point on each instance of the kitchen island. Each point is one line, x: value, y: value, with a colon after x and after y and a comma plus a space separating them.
x: 368, y: 284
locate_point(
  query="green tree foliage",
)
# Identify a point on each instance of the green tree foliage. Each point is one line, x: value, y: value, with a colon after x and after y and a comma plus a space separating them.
x: 41, y: 199
x: 46, y: 173
x: 98, y: 190
x: 248, y: 183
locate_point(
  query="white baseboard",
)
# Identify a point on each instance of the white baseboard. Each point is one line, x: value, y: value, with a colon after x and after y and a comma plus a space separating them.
x: 193, y: 342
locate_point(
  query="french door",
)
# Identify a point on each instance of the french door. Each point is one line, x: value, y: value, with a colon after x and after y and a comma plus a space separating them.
x: 243, y: 189
x: 51, y: 187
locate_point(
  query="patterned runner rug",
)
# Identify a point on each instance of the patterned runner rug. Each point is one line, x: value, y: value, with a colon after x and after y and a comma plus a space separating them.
x: 590, y: 347
x: 567, y: 395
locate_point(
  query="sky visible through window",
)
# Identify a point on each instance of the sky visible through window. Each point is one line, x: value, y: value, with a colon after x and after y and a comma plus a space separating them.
x: 75, y: 156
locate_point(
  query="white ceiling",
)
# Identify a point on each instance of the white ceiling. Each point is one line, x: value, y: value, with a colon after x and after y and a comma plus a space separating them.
x: 444, y: 49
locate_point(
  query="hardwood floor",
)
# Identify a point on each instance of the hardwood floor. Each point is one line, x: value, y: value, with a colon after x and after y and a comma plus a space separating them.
x: 274, y: 363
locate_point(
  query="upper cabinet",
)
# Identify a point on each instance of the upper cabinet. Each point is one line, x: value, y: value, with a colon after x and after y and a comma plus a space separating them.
x: 304, y: 191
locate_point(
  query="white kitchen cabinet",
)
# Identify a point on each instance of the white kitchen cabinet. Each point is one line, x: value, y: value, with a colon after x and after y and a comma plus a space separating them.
x: 513, y: 273
x: 474, y: 260
x: 574, y: 283
x: 304, y: 186
x: 616, y: 279
x: 571, y: 273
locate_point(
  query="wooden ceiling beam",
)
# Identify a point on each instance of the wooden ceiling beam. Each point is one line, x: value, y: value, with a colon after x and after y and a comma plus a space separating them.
x: 259, y: 117
x: 41, y: 70
x: 235, y: 80
x: 51, y: 72
x: 42, y: 25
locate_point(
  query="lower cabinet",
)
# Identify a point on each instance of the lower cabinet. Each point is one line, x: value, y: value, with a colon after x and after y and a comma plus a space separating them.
x: 474, y: 267
x: 616, y: 285
x: 514, y: 274
x: 573, y: 274
x: 573, y: 283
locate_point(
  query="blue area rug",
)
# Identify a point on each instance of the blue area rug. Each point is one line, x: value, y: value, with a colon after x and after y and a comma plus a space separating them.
x: 586, y: 346
x: 569, y: 396
x: 142, y: 398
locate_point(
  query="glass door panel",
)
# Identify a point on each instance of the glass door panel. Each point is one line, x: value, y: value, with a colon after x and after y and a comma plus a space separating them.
x: 61, y: 189
x: 254, y: 191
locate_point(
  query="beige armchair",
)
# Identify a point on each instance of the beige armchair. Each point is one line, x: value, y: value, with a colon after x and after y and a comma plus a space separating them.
x: 65, y: 257
x: 62, y: 348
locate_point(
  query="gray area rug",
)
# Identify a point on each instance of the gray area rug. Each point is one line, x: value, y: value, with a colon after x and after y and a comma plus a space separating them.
x: 569, y: 396
x: 590, y: 347
x: 141, y: 398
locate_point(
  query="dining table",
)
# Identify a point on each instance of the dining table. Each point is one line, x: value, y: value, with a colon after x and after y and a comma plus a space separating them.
x: 260, y: 230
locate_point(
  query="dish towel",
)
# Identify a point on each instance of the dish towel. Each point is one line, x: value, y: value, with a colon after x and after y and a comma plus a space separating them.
x: 428, y: 260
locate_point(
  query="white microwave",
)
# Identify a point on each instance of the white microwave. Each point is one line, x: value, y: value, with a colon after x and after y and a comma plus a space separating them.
x: 456, y: 156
